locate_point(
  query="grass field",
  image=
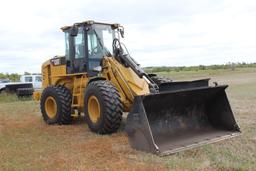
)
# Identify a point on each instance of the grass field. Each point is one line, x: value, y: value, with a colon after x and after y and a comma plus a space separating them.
x: 27, y: 143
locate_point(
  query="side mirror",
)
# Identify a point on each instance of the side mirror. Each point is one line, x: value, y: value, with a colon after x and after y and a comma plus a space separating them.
x: 97, y: 69
x: 73, y: 31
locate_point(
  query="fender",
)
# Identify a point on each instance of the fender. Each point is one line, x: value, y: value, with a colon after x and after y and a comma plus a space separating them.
x: 96, y: 79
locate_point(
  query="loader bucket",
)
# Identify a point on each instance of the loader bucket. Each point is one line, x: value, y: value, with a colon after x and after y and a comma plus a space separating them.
x: 177, y: 120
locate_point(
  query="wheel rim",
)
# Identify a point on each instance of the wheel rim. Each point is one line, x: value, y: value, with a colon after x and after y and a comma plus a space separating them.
x: 50, y: 107
x: 93, y: 109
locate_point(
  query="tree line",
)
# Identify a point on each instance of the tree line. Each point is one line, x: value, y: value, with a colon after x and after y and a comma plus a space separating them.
x: 14, y: 76
x: 231, y: 66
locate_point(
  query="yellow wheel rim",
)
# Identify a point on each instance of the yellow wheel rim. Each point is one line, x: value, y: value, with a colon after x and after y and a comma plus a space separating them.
x: 50, y: 107
x: 93, y: 109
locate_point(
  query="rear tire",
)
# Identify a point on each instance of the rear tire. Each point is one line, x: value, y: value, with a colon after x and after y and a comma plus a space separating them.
x: 20, y: 92
x: 103, y: 108
x: 55, y: 105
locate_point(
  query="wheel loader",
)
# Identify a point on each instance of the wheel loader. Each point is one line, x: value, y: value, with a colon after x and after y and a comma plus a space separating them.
x: 98, y: 77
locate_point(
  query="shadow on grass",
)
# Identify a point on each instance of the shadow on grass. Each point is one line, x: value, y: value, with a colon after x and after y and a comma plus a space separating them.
x: 80, y: 120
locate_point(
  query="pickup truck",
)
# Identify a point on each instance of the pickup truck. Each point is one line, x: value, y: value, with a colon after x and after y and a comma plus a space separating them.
x: 26, y: 86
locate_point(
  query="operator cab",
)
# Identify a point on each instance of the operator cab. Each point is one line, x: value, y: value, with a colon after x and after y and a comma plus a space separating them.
x: 87, y: 43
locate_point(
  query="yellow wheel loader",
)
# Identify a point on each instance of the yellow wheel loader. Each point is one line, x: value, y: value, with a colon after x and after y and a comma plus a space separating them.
x: 99, y: 78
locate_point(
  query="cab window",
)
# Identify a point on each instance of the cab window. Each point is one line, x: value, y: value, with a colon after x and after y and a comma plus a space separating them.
x: 67, y: 46
x: 28, y: 79
x: 79, y: 44
x: 38, y: 79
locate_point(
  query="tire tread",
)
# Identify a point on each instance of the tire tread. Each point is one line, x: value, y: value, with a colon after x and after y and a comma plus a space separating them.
x: 113, y: 106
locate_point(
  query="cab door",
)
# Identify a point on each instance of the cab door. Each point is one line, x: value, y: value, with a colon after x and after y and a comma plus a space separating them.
x: 75, y: 52
x: 95, y: 53
x: 79, y: 51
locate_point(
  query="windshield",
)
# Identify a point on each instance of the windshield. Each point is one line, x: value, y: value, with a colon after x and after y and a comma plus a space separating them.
x: 100, y: 39
x: 38, y: 79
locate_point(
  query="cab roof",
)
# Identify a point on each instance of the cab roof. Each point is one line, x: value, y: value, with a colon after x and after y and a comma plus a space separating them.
x: 89, y: 22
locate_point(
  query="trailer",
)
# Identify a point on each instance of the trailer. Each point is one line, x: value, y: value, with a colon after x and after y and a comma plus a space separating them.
x: 27, y: 85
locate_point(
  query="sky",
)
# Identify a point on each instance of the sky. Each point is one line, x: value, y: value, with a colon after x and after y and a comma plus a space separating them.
x: 157, y: 33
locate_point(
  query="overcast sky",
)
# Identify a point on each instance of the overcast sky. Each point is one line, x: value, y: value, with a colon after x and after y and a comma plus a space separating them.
x: 157, y: 33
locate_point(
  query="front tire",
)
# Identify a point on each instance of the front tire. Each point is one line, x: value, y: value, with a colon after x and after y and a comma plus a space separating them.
x: 55, y: 105
x: 103, y: 108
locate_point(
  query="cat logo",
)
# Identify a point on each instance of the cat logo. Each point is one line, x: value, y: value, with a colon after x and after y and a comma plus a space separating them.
x: 56, y: 61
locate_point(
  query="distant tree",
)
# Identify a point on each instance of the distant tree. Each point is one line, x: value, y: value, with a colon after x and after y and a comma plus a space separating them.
x: 2, y: 75
x: 14, y: 77
x: 233, y: 66
x: 228, y: 65
x: 202, y: 67
x: 27, y: 73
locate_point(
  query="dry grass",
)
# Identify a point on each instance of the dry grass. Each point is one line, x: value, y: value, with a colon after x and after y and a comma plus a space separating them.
x: 27, y: 143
